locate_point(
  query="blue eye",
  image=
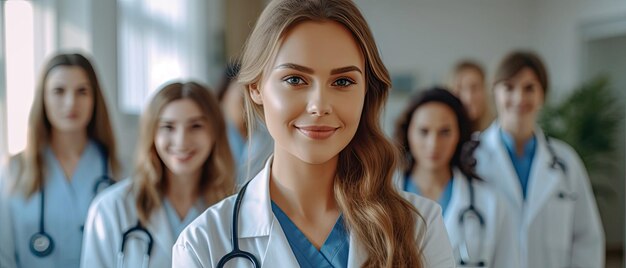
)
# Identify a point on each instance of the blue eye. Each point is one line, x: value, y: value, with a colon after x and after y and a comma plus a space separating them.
x: 343, y: 82
x: 294, y: 80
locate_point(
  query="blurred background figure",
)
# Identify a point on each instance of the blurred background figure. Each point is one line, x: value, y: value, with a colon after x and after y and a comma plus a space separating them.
x: 432, y: 134
x: 183, y: 166
x: 249, y: 151
x: 543, y: 179
x: 69, y: 157
x: 467, y: 82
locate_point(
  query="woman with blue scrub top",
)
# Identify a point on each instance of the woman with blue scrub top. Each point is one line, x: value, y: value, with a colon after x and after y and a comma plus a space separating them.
x: 183, y: 166
x: 543, y: 179
x: 433, y: 132
x: 326, y: 198
x: 69, y: 157
x: 250, y: 153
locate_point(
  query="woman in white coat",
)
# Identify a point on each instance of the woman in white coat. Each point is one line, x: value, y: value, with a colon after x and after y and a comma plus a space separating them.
x: 45, y: 191
x: 434, y: 133
x: 326, y: 198
x: 543, y: 179
x: 183, y: 165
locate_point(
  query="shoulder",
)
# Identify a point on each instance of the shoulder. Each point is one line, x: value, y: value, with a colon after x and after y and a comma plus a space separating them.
x: 215, y: 221
x: 427, y: 208
x: 115, y: 196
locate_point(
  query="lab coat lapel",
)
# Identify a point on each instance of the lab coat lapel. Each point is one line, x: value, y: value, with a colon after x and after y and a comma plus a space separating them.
x: 458, y: 202
x: 278, y: 253
x: 509, y: 182
x: 357, y: 254
x: 257, y: 220
x: 161, y: 231
x: 543, y: 179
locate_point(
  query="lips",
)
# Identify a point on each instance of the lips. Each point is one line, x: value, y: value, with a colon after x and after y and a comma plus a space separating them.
x: 182, y: 157
x: 317, y: 132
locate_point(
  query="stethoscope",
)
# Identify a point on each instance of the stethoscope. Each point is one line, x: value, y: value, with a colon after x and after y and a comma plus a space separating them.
x: 236, y: 252
x: 467, y: 214
x: 41, y: 243
x: 133, y: 231
x: 558, y: 163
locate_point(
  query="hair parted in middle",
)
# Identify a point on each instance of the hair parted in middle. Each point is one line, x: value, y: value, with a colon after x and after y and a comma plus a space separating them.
x: 217, y: 177
x: 373, y: 209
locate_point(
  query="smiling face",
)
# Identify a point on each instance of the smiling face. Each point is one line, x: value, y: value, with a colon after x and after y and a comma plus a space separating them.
x: 519, y: 100
x: 312, y: 94
x: 433, y: 135
x: 68, y: 99
x: 183, y: 138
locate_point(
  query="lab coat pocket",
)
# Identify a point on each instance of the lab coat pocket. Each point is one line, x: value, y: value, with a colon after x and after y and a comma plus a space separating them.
x: 559, y: 226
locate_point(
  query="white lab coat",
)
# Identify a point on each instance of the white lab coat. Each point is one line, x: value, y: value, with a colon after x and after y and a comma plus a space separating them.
x: 500, y: 247
x: 207, y: 239
x: 111, y: 214
x: 558, y: 223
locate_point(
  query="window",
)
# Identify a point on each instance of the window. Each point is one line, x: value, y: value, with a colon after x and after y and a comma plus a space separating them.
x: 159, y: 41
x: 19, y: 71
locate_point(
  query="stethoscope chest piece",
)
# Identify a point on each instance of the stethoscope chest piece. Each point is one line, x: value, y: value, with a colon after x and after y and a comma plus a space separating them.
x: 41, y: 244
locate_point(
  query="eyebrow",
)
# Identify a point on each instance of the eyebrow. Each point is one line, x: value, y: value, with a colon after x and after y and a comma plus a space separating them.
x: 308, y: 70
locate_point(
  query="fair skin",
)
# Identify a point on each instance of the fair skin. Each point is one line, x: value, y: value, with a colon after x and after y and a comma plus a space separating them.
x: 433, y: 137
x: 518, y: 101
x: 470, y: 88
x: 183, y: 142
x: 312, y: 96
x: 69, y: 104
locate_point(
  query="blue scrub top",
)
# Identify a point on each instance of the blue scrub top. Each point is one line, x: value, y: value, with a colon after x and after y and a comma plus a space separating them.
x: 523, y: 163
x: 444, y: 199
x: 65, y: 212
x: 176, y: 223
x: 333, y: 253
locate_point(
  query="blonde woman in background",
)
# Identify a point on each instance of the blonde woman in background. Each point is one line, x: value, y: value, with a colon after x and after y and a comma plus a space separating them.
x: 467, y: 82
x: 70, y: 156
x: 183, y: 166
x: 312, y: 72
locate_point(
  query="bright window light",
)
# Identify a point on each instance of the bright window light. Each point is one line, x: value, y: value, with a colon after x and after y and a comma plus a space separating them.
x: 20, y: 70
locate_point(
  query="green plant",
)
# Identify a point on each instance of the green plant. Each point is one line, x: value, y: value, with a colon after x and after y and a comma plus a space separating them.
x: 588, y: 120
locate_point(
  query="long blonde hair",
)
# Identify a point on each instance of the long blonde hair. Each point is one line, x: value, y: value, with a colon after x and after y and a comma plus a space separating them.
x: 216, y: 181
x: 29, y: 165
x: 373, y: 210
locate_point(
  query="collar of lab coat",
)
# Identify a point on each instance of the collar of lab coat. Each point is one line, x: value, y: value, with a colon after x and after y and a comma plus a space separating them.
x: 543, y: 179
x: 256, y: 219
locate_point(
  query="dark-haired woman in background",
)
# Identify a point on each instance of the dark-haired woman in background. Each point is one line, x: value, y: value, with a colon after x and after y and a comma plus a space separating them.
x: 434, y: 134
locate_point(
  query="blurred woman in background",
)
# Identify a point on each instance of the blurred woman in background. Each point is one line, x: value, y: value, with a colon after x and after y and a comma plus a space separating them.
x: 70, y: 156
x: 434, y: 134
x: 183, y: 166
x: 467, y: 82
x: 543, y: 179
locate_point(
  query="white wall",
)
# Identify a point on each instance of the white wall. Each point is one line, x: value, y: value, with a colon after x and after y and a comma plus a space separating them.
x: 556, y: 34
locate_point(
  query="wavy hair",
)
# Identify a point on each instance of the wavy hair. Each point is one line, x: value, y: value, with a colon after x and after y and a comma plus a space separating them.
x: 29, y: 178
x: 373, y: 210
x: 216, y: 181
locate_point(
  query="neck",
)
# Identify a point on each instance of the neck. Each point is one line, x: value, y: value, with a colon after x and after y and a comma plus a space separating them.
x: 182, y: 191
x: 68, y: 144
x: 302, y: 189
x: 431, y: 181
x: 520, y: 133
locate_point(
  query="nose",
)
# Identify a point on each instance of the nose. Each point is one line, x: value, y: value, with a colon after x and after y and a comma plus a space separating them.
x: 180, y: 137
x: 70, y: 100
x: 319, y: 103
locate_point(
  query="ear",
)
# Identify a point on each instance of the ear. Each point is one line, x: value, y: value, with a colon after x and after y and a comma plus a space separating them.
x: 255, y: 93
